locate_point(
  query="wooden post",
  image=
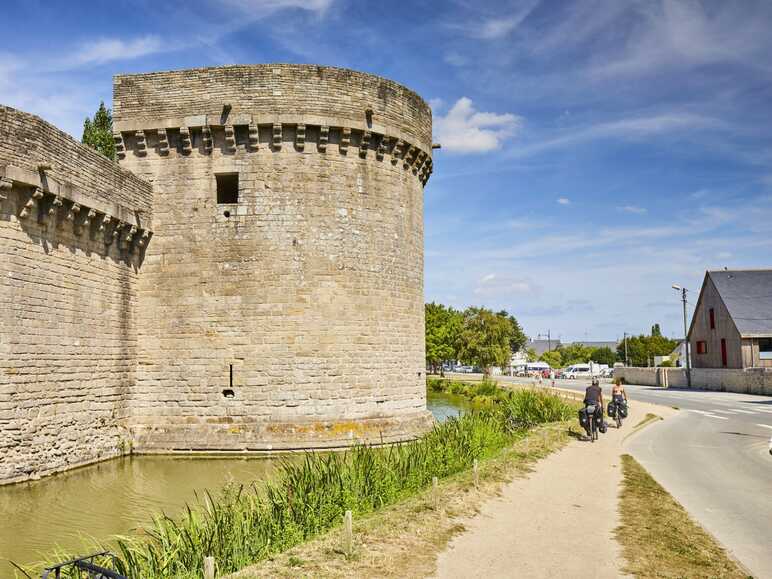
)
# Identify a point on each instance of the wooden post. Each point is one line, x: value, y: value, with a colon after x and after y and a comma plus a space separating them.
x: 208, y: 567
x: 348, y: 539
x: 476, y: 474
x: 435, y: 493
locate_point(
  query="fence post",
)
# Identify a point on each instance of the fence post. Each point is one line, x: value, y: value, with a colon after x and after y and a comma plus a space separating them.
x: 208, y: 567
x: 435, y: 493
x: 348, y: 545
x: 476, y: 474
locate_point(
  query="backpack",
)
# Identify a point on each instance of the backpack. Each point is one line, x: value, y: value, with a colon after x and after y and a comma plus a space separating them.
x: 603, y: 427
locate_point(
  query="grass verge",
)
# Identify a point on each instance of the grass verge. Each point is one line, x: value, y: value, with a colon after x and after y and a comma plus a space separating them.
x: 657, y: 536
x: 404, y: 539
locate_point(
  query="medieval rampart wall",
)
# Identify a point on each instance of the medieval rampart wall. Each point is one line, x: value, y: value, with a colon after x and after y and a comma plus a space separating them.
x: 70, y: 247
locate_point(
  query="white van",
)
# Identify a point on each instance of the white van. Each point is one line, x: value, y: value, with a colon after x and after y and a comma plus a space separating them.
x: 577, y: 371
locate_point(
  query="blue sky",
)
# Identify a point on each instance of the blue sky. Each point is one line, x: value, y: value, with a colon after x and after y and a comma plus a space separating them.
x: 594, y: 152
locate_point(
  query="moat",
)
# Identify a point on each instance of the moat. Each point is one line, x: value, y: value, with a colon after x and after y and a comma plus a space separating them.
x: 118, y: 496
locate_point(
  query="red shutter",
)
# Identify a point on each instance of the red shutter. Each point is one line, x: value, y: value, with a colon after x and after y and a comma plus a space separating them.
x: 723, y: 352
x: 712, y: 319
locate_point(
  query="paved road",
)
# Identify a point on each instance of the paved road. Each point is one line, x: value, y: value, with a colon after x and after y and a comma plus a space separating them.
x: 713, y: 457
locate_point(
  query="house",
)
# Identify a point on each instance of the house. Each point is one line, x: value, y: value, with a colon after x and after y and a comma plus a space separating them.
x: 541, y: 346
x: 732, y: 322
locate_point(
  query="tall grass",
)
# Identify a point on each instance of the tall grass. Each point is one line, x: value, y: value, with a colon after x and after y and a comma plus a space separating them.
x: 245, y: 524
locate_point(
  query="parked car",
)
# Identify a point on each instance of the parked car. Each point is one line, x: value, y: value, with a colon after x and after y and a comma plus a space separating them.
x: 577, y: 371
x: 464, y: 369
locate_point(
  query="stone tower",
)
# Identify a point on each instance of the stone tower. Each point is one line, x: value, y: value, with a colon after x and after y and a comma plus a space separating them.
x: 280, y: 301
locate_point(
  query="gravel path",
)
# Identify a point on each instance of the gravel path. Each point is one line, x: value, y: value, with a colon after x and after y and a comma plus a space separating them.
x: 558, y: 522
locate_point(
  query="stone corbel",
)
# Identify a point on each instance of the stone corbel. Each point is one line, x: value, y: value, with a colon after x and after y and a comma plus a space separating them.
x: 396, y: 152
x: 419, y: 161
x: 277, y: 136
x: 163, y: 142
x: 324, y: 138
x: 120, y: 146
x: 30, y: 205
x: 300, y: 137
x: 345, y: 140
x: 55, y: 205
x: 89, y: 216
x: 144, y: 238
x: 5, y: 186
x: 382, y: 146
x: 254, y: 136
x: 104, y: 223
x: 364, y: 144
x: 72, y: 216
x: 230, y: 139
x: 131, y: 232
x: 409, y: 157
x: 206, y: 138
x: 141, y: 143
x: 187, y: 146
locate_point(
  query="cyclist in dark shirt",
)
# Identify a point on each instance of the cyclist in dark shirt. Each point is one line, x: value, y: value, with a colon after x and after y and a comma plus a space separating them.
x: 594, y: 395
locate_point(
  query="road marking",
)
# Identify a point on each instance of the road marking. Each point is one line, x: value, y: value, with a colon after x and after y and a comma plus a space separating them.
x: 722, y: 411
x: 769, y: 410
x: 765, y: 426
x: 743, y: 411
x: 709, y: 414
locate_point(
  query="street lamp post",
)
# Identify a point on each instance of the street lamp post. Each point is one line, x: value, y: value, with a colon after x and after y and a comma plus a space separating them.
x: 683, y: 291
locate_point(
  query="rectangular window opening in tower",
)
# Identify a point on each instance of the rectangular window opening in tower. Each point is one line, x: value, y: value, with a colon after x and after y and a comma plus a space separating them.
x: 227, y: 187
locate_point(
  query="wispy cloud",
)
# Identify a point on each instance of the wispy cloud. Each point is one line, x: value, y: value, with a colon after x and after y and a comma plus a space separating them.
x: 633, y: 128
x: 262, y: 7
x: 498, y: 25
x: 110, y: 49
x: 465, y: 130
x: 634, y: 209
x: 501, y: 285
x: 563, y: 201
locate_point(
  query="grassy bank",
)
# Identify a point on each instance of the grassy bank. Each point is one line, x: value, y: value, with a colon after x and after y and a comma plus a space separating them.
x: 244, y: 525
x: 657, y: 536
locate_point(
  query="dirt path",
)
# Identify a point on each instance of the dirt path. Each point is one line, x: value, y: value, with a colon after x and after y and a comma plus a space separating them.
x: 558, y: 522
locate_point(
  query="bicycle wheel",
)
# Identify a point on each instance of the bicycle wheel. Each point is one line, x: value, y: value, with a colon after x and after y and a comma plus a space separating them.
x: 619, y: 420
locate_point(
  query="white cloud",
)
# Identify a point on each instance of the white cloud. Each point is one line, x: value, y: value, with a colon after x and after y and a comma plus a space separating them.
x: 465, y: 130
x: 499, y: 26
x: 633, y: 209
x: 495, y: 285
x: 262, y: 7
x: 563, y: 201
x: 633, y: 128
x: 109, y: 49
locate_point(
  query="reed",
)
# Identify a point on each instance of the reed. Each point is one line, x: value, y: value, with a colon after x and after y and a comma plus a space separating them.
x: 245, y: 524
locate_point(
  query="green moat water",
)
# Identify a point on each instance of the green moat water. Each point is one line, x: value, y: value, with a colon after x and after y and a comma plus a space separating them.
x: 119, y: 496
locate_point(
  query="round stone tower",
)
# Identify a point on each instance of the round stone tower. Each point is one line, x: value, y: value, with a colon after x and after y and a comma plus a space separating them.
x: 280, y: 300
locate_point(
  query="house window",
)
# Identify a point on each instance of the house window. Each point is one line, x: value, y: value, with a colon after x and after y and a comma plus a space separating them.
x: 702, y: 347
x: 712, y: 315
x: 765, y: 348
x: 227, y: 187
x: 723, y: 352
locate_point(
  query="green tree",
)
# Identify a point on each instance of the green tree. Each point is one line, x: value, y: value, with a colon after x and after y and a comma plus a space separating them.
x: 443, y: 326
x: 642, y: 349
x: 603, y: 356
x: 530, y: 355
x: 518, y: 339
x: 98, y: 132
x: 553, y: 358
x: 485, y: 339
x: 655, y: 331
x: 575, y: 354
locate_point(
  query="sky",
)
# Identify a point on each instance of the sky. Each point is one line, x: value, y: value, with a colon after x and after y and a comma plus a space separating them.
x: 593, y: 152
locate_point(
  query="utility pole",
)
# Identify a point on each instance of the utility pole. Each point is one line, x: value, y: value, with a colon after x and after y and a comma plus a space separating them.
x: 549, y: 341
x: 683, y: 291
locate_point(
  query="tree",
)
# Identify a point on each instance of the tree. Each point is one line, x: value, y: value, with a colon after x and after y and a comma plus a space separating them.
x: 553, y: 358
x: 575, y: 354
x: 443, y: 326
x: 530, y: 355
x: 98, y: 132
x: 485, y: 339
x: 642, y: 349
x: 603, y: 356
x: 518, y: 339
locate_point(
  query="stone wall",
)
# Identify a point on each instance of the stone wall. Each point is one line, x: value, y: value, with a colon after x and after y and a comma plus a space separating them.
x: 67, y: 299
x: 294, y: 317
x: 748, y: 381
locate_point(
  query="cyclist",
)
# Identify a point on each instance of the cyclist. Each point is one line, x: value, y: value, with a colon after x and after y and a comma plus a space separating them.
x: 593, y: 396
x: 618, y: 399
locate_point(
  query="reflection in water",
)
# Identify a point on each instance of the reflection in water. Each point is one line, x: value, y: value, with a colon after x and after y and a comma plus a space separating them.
x: 118, y: 496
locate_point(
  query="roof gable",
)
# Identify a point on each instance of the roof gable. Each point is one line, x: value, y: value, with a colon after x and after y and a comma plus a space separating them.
x: 747, y: 295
